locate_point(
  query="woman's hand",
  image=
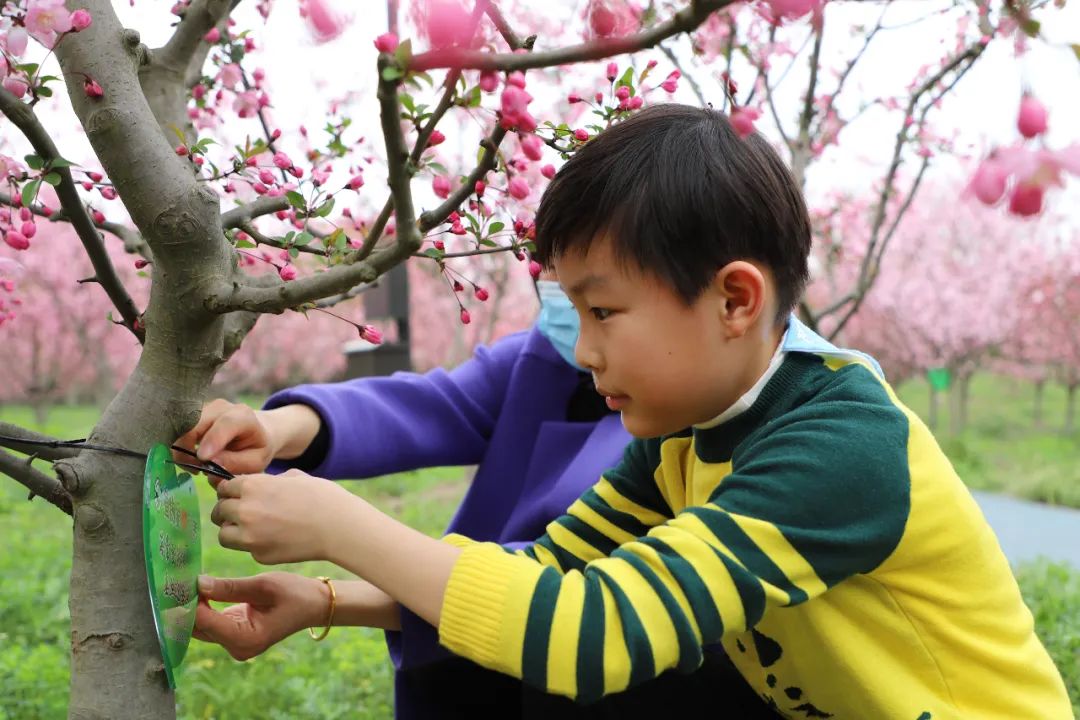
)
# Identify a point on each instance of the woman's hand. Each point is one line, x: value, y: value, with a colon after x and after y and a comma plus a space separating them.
x: 269, y: 608
x: 290, y: 517
x: 243, y: 440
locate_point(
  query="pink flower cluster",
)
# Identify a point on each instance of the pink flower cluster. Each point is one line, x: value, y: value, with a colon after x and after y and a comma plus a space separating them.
x: 1023, y: 172
x: 46, y: 21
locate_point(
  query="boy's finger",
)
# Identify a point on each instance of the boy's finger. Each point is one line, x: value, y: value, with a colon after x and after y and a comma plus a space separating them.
x: 210, y: 412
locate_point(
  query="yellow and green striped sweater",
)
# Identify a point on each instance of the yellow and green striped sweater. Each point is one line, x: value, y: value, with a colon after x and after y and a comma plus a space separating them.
x: 821, y: 536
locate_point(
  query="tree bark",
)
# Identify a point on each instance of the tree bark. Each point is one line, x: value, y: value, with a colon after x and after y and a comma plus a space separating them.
x: 935, y: 402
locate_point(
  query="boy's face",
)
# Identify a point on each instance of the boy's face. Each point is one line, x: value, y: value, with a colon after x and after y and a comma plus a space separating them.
x: 664, y: 365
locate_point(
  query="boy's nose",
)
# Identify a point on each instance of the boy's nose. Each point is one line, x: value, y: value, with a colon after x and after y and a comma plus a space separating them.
x: 586, y: 356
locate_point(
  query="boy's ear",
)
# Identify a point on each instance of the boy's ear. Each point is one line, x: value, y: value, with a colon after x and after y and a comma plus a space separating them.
x: 743, y: 288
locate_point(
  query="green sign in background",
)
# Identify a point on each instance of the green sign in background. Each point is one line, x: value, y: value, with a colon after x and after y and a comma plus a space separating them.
x: 173, y: 552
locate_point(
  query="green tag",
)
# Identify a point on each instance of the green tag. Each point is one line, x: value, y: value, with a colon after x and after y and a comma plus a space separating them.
x: 173, y: 552
x: 939, y: 378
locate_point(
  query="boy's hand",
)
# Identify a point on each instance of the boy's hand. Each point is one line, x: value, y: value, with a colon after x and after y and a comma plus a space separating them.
x: 290, y: 517
x: 269, y: 608
x: 232, y: 435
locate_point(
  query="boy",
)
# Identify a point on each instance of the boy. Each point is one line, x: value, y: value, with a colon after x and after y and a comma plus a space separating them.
x: 779, y: 500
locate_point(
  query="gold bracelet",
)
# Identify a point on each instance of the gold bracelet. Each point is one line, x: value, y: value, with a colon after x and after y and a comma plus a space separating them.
x: 330, y: 616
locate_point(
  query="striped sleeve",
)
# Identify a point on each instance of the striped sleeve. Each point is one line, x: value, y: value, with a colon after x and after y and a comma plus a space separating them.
x: 779, y: 530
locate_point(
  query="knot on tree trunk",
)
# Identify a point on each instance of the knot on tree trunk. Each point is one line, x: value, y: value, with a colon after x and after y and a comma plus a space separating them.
x: 93, y: 522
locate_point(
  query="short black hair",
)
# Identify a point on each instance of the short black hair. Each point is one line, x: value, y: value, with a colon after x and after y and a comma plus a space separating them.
x: 681, y: 195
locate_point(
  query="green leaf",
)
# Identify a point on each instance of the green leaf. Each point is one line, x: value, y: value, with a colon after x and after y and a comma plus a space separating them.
x: 28, y: 68
x: 326, y: 208
x: 35, y: 162
x: 57, y: 163
x: 487, y: 242
x: 407, y: 102
x: 1076, y: 50
x: 29, y: 192
x: 296, y: 200
x: 341, y: 240
x: 473, y: 98
x: 437, y: 167
x: 244, y: 244
x: 495, y: 227
x: 44, y: 91
x: 627, y: 79
x: 434, y: 253
x: 391, y: 73
x: 294, y: 253
x: 52, y: 178
x: 404, y: 52
x: 303, y: 238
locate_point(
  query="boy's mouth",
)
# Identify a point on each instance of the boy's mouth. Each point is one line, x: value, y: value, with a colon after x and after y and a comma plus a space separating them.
x: 614, y: 400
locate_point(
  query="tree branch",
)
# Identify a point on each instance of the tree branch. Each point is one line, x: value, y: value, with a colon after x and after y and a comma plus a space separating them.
x: 433, y: 218
x: 133, y: 241
x: 198, y: 19
x: 46, y: 453
x: 505, y: 30
x: 36, y: 481
x: 685, y: 20
x: 24, y: 118
x: 338, y: 299
x: 258, y: 237
x: 243, y: 214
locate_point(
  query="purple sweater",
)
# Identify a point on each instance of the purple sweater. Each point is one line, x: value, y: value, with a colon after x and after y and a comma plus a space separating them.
x: 504, y: 410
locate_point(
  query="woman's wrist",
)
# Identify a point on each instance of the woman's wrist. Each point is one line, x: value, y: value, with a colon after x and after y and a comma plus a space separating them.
x: 290, y: 429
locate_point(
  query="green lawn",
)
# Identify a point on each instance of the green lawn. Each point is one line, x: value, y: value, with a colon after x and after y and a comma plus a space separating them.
x: 348, y: 675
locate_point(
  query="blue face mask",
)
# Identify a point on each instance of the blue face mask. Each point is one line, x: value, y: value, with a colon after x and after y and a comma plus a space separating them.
x: 558, y: 320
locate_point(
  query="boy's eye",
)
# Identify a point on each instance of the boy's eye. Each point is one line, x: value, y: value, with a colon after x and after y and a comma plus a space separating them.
x: 600, y: 313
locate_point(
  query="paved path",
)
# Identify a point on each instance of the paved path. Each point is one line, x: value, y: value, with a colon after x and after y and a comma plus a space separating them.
x: 1028, y: 530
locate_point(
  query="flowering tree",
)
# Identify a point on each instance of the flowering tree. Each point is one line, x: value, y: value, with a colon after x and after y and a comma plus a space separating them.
x: 305, y: 227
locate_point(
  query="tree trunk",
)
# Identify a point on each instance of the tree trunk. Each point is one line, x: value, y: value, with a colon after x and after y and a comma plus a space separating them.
x: 1037, y: 413
x: 116, y: 665
x: 965, y: 398
x: 958, y: 404
x: 1070, y: 408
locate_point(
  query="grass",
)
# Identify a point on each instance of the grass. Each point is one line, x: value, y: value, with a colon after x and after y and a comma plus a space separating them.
x: 349, y: 674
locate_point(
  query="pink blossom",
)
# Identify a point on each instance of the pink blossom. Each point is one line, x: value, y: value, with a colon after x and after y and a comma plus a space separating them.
x: 534, y: 269
x: 386, y: 43
x: 92, y: 89
x: 612, y: 71
x: 671, y: 83
x: 323, y: 22
x: 519, y: 188
x: 988, y: 183
x: 318, y: 175
x: 140, y: 263
x: 25, y: 215
x: 573, y: 98
x: 441, y: 185
x: 792, y: 9
x: 515, y: 113
x: 28, y: 229
x: 16, y: 41
x: 15, y: 85
x: 98, y: 217
x: 282, y: 161
x: 9, y: 167
x: 533, y: 147
x: 466, y: 318
x: 1031, y: 121
x: 599, y: 97
x: 481, y: 294
x: 437, y: 138
x: 287, y: 273
x: 45, y: 19
x: 231, y: 75
x: 548, y: 171
x: 246, y: 104
x: 479, y: 187
x: 213, y: 36
x: 581, y: 134
x: 489, y: 81
x: 447, y: 23
x: 742, y: 120
x: 109, y: 193
x: 371, y: 334
x: 16, y: 240
x: 356, y: 182
x: 636, y: 102
x: 80, y: 20
x: 1026, y: 200
x: 622, y: 93
x: 266, y: 177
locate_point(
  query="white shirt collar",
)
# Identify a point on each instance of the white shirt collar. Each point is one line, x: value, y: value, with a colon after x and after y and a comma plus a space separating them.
x: 750, y: 396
